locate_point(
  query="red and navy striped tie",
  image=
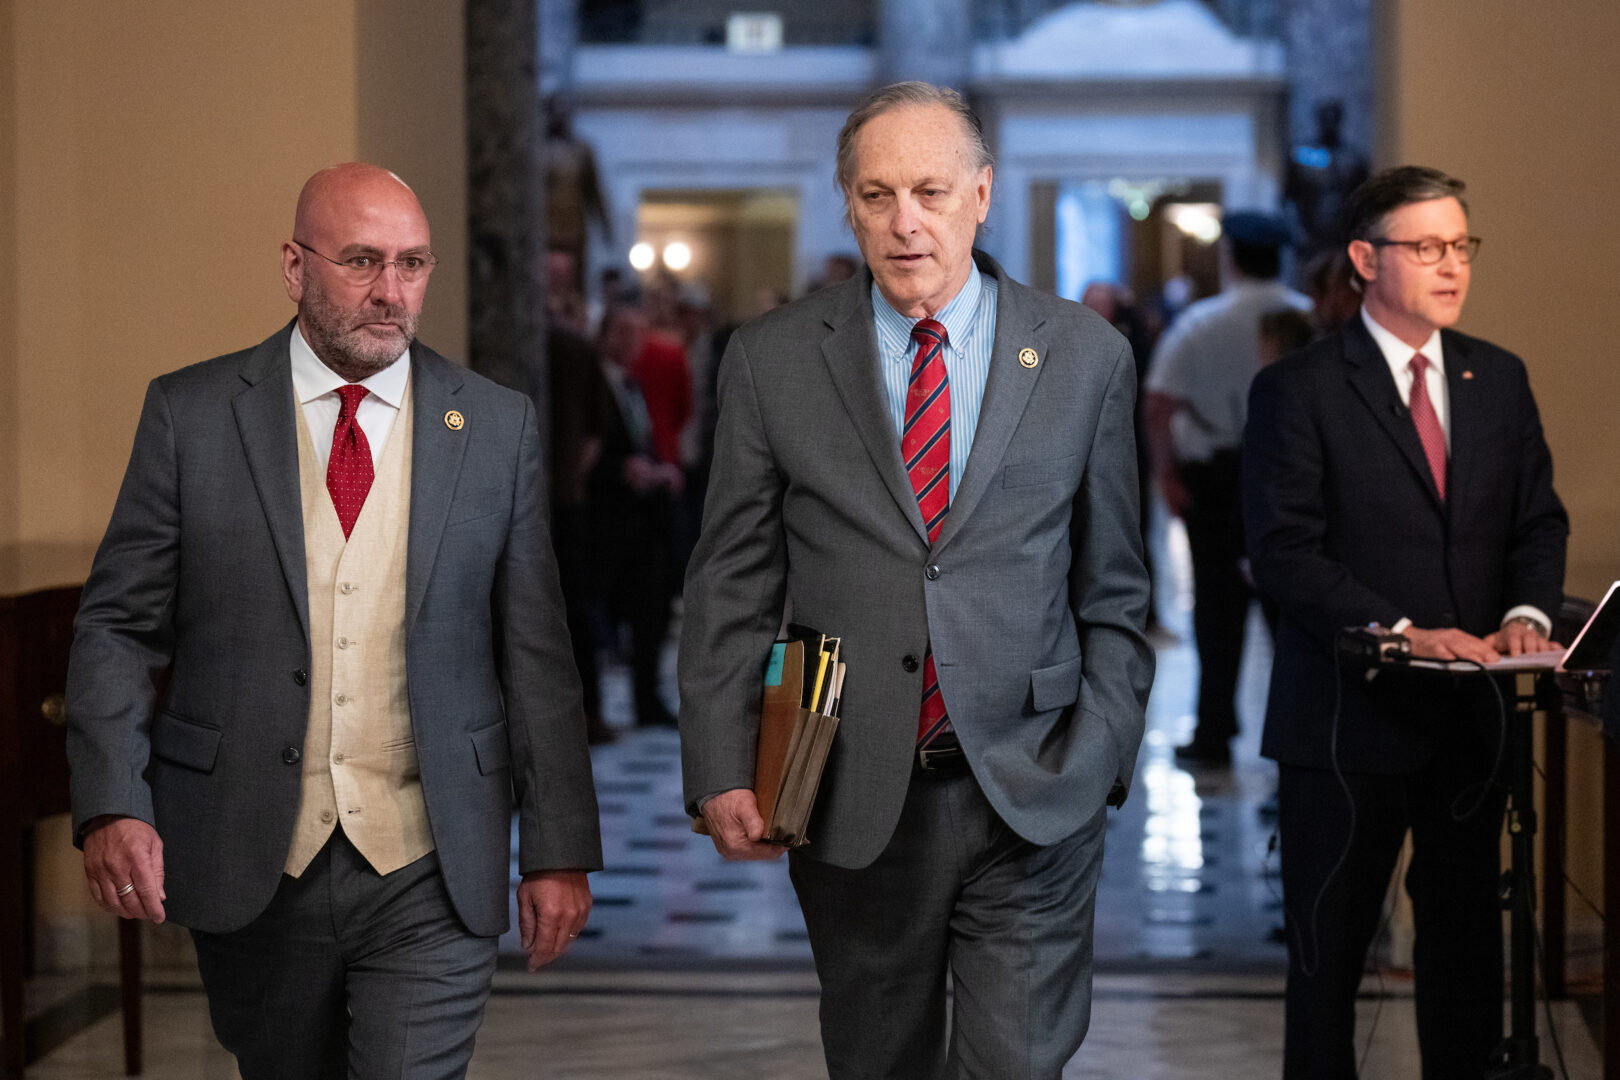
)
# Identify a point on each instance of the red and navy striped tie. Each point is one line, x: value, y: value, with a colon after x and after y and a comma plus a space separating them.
x: 925, y: 444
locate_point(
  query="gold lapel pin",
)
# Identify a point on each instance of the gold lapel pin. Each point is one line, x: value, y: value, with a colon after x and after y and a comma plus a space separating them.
x: 1468, y: 374
x: 454, y: 420
x: 1028, y: 357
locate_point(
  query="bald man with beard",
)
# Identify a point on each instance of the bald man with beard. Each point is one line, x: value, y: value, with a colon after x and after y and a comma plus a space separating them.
x: 321, y: 657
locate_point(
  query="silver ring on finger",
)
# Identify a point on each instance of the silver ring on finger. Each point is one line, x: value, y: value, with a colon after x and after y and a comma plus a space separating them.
x: 127, y: 889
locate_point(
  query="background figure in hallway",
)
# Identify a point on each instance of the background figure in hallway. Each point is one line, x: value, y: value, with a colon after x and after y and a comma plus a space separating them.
x: 1197, y: 398
x: 1395, y: 473
x: 334, y: 545
x: 582, y: 409
x: 629, y: 494
x: 935, y: 463
x: 1118, y: 305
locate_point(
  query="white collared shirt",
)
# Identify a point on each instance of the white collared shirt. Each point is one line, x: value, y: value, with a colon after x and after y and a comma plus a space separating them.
x: 1398, y: 355
x: 970, y: 332
x: 315, y: 386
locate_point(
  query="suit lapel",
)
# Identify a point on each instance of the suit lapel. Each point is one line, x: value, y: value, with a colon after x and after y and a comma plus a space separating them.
x: 1007, y: 388
x: 1462, y: 389
x: 851, y: 354
x: 436, y: 456
x: 1372, y: 381
x: 269, y: 431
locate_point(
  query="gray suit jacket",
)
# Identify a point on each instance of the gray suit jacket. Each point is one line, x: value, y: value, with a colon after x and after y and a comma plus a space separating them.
x: 1034, y: 596
x: 202, y: 572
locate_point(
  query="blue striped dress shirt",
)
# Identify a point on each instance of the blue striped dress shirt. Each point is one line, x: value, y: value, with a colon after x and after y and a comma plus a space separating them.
x: 970, y: 331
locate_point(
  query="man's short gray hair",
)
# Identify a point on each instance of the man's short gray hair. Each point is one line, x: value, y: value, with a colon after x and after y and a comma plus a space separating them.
x: 899, y: 95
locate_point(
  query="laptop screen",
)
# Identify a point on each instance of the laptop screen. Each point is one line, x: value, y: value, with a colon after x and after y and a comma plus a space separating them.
x: 1591, y: 648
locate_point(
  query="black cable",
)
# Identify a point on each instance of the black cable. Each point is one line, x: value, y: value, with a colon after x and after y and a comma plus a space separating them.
x: 1390, y: 897
x: 1602, y: 918
x: 1501, y: 750
x: 1546, y: 1003
x: 1309, y: 969
x: 1563, y: 868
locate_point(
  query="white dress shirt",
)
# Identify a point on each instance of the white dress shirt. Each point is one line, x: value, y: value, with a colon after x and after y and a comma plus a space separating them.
x: 315, y: 385
x: 1207, y: 360
x: 1398, y: 355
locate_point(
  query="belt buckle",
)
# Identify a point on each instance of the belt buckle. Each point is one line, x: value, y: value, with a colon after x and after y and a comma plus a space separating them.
x: 933, y: 757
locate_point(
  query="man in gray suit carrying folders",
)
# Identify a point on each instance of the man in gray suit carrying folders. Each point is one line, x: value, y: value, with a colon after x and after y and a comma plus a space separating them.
x: 936, y: 464
x: 335, y: 543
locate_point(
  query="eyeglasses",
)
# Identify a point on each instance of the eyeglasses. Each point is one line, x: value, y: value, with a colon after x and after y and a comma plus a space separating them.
x: 1431, y: 249
x: 364, y: 269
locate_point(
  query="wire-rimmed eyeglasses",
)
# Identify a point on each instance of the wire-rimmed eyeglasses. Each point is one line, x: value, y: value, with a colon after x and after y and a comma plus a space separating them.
x: 364, y: 269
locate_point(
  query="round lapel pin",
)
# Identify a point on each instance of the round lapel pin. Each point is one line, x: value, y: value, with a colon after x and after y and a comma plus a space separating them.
x: 1028, y: 357
x: 454, y: 420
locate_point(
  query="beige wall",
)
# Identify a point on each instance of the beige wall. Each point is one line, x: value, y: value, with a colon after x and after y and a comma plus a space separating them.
x: 1518, y: 99
x: 153, y: 153
x: 411, y: 117
x: 10, y: 406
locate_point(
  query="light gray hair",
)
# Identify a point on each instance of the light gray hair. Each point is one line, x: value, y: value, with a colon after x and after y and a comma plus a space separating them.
x: 900, y: 95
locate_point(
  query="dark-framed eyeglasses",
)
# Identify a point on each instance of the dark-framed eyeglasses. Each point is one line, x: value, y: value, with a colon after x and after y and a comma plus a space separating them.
x: 1431, y: 249
x: 364, y: 269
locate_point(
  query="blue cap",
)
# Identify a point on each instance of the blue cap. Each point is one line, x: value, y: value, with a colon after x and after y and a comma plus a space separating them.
x: 1255, y: 230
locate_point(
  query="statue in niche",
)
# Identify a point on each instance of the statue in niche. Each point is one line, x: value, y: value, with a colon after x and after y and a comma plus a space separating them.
x: 573, y: 190
x: 1320, y: 175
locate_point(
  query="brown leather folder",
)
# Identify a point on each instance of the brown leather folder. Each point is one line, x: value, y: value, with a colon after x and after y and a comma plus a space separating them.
x: 793, y: 740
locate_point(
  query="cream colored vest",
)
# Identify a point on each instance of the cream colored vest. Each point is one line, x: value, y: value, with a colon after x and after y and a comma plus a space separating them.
x: 360, y: 767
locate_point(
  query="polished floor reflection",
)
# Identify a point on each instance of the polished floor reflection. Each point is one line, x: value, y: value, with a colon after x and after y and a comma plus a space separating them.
x: 694, y: 969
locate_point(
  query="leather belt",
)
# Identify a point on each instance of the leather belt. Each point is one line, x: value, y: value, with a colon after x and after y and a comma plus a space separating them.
x: 941, y: 758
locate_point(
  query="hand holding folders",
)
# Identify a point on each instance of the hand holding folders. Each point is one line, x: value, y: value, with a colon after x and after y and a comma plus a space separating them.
x: 804, y: 684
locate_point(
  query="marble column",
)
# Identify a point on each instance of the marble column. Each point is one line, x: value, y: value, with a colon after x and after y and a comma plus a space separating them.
x: 505, y: 196
x: 931, y: 40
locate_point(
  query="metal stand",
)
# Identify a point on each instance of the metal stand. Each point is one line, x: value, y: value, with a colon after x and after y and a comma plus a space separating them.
x: 1519, y: 1055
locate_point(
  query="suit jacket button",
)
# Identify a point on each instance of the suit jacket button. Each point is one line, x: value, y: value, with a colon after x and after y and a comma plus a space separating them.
x: 932, y: 573
x: 290, y: 755
x: 300, y: 676
x: 909, y: 662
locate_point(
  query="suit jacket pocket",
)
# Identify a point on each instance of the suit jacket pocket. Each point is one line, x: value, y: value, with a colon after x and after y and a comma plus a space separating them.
x: 185, y: 743
x: 476, y: 505
x: 1056, y: 686
x: 1037, y: 472
x: 492, y: 749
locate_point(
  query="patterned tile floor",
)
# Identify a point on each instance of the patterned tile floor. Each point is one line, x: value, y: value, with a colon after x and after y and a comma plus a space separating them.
x: 695, y: 968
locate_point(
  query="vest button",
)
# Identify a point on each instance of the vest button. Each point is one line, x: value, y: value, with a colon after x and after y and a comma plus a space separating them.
x: 337, y: 759
x: 290, y: 755
x: 932, y: 573
x: 343, y: 643
x: 326, y: 817
x: 346, y: 588
x: 908, y: 663
x: 300, y: 676
x: 341, y: 699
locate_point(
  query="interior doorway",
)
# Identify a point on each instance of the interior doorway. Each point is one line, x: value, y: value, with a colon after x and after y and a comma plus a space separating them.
x: 735, y: 245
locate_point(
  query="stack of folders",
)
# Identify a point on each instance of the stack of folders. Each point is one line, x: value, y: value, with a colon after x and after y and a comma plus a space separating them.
x: 804, y: 686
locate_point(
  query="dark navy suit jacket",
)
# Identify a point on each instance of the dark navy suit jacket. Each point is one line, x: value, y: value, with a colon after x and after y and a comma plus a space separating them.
x: 1345, y: 527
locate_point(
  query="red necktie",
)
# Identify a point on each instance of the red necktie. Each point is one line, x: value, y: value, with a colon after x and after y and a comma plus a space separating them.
x: 925, y: 444
x: 1427, y: 422
x: 349, y: 470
